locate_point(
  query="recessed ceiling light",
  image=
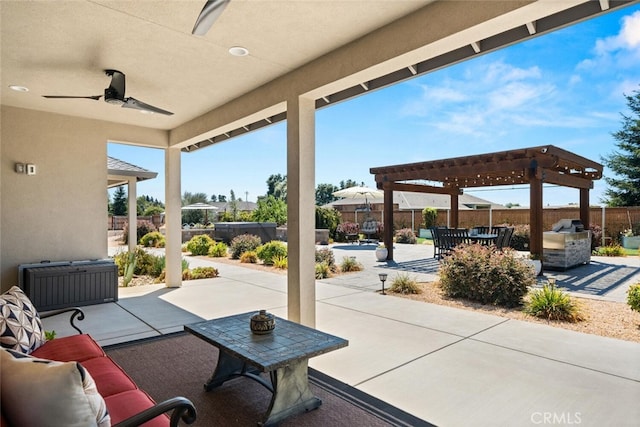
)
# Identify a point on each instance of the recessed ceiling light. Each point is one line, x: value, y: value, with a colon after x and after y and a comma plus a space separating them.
x: 238, y: 51
x: 19, y: 88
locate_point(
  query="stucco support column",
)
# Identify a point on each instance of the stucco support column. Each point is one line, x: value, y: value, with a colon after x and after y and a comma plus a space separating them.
x: 173, y: 218
x: 132, y: 213
x: 301, y: 284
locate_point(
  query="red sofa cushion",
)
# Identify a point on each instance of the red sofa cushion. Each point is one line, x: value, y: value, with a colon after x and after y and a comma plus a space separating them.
x: 76, y: 348
x: 128, y: 403
x: 109, y: 377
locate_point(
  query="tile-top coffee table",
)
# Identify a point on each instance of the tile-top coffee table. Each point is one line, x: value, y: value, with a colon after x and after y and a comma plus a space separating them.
x: 284, y: 354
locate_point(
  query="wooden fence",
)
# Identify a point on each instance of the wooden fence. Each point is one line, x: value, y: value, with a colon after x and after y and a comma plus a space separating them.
x: 117, y: 222
x: 616, y: 219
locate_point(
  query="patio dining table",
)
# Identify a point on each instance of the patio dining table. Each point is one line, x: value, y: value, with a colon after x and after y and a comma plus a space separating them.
x: 484, y: 238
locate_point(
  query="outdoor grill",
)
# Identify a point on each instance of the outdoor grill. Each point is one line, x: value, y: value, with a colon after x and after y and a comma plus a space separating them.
x: 566, y: 245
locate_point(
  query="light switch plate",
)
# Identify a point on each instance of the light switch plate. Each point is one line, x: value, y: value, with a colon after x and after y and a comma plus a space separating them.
x: 19, y: 167
x: 31, y: 169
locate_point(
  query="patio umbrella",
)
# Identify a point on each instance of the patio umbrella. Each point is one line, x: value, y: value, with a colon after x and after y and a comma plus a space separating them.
x: 200, y: 206
x: 358, y: 193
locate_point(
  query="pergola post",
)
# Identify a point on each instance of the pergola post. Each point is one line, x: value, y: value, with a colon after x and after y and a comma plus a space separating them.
x: 535, y: 212
x: 585, y: 211
x: 388, y: 222
x: 454, y: 210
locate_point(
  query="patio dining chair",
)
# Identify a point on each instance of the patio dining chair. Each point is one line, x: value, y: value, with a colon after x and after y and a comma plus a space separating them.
x: 437, y: 242
x: 504, y: 237
x: 450, y: 238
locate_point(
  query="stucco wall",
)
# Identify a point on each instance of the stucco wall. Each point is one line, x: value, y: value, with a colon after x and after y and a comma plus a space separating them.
x: 59, y: 213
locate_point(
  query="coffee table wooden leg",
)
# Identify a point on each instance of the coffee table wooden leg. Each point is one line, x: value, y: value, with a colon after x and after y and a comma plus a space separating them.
x: 291, y: 393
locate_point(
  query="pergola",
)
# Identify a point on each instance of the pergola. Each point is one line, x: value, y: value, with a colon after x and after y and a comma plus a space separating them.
x: 533, y: 166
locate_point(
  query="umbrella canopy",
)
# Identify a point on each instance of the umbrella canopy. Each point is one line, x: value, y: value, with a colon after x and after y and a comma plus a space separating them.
x: 358, y: 192
x: 200, y: 206
x: 196, y: 206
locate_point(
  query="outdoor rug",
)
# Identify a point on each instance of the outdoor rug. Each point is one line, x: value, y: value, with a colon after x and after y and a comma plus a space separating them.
x: 179, y: 364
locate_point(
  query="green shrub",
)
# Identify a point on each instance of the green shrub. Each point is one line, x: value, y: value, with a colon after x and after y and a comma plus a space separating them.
x: 185, y: 268
x: 404, y: 284
x: 328, y: 218
x: 249, y: 257
x: 406, y: 235
x: 633, y: 297
x: 183, y: 247
x: 326, y: 255
x: 144, y: 227
x: 322, y: 270
x: 281, y: 262
x: 615, y: 250
x: 244, y: 243
x: 143, y: 262
x: 552, y: 304
x: 485, y: 274
x: 270, y: 250
x: 218, y: 250
x: 155, y: 239
x: 350, y: 264
x: 158, y: 264
x: 429, y: 217
x: 203, y: 273
x: 199, y: 245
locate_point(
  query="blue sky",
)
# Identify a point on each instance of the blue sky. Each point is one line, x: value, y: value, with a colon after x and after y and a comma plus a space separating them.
x: 566, y: 89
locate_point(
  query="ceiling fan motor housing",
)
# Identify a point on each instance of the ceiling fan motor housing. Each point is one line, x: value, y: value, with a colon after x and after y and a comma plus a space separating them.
x: 113, y: 97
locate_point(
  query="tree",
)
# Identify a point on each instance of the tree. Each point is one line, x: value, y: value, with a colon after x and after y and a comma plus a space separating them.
x: 233, y: 204
x: 277, y: 186
x: 270, y: 209
x: 324, y: 194
x: 625, y: 162
x: 349, y: 183
x: 214, y: 198
x: 222, y: 198
x: 147, y: 205
x: 119, y: 205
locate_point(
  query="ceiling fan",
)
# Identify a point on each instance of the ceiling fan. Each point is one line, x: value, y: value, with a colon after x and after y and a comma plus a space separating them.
x: 210, y: 12
x: 114, y: 94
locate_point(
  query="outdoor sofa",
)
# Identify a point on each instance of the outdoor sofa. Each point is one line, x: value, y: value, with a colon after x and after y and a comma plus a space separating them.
x: 69, y: 381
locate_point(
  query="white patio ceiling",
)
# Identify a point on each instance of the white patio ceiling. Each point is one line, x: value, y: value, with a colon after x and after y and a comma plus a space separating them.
x: 330, y: 50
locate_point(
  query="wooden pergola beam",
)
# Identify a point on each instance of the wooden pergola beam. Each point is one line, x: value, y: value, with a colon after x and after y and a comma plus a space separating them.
x: 563, y: 179
x: 419, y: 188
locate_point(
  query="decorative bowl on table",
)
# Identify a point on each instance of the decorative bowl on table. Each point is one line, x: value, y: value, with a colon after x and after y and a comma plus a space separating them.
x: 262, y: 323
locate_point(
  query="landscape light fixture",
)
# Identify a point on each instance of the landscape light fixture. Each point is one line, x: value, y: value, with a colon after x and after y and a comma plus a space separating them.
x: 383, y: 278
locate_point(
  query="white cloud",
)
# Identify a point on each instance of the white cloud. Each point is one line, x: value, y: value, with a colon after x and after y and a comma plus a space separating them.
x: 628, y: 38
x: 621, y: 50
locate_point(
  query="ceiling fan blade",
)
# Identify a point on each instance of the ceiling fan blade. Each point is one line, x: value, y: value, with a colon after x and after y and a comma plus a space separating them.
x: 139, y: 105
x: 210, y: 12
x: 94, y: 97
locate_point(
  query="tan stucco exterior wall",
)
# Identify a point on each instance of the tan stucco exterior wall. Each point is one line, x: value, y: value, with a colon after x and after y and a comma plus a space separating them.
x: 60, y: 213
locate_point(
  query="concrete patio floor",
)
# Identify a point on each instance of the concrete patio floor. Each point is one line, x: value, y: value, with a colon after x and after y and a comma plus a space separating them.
x: 448, y: 366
